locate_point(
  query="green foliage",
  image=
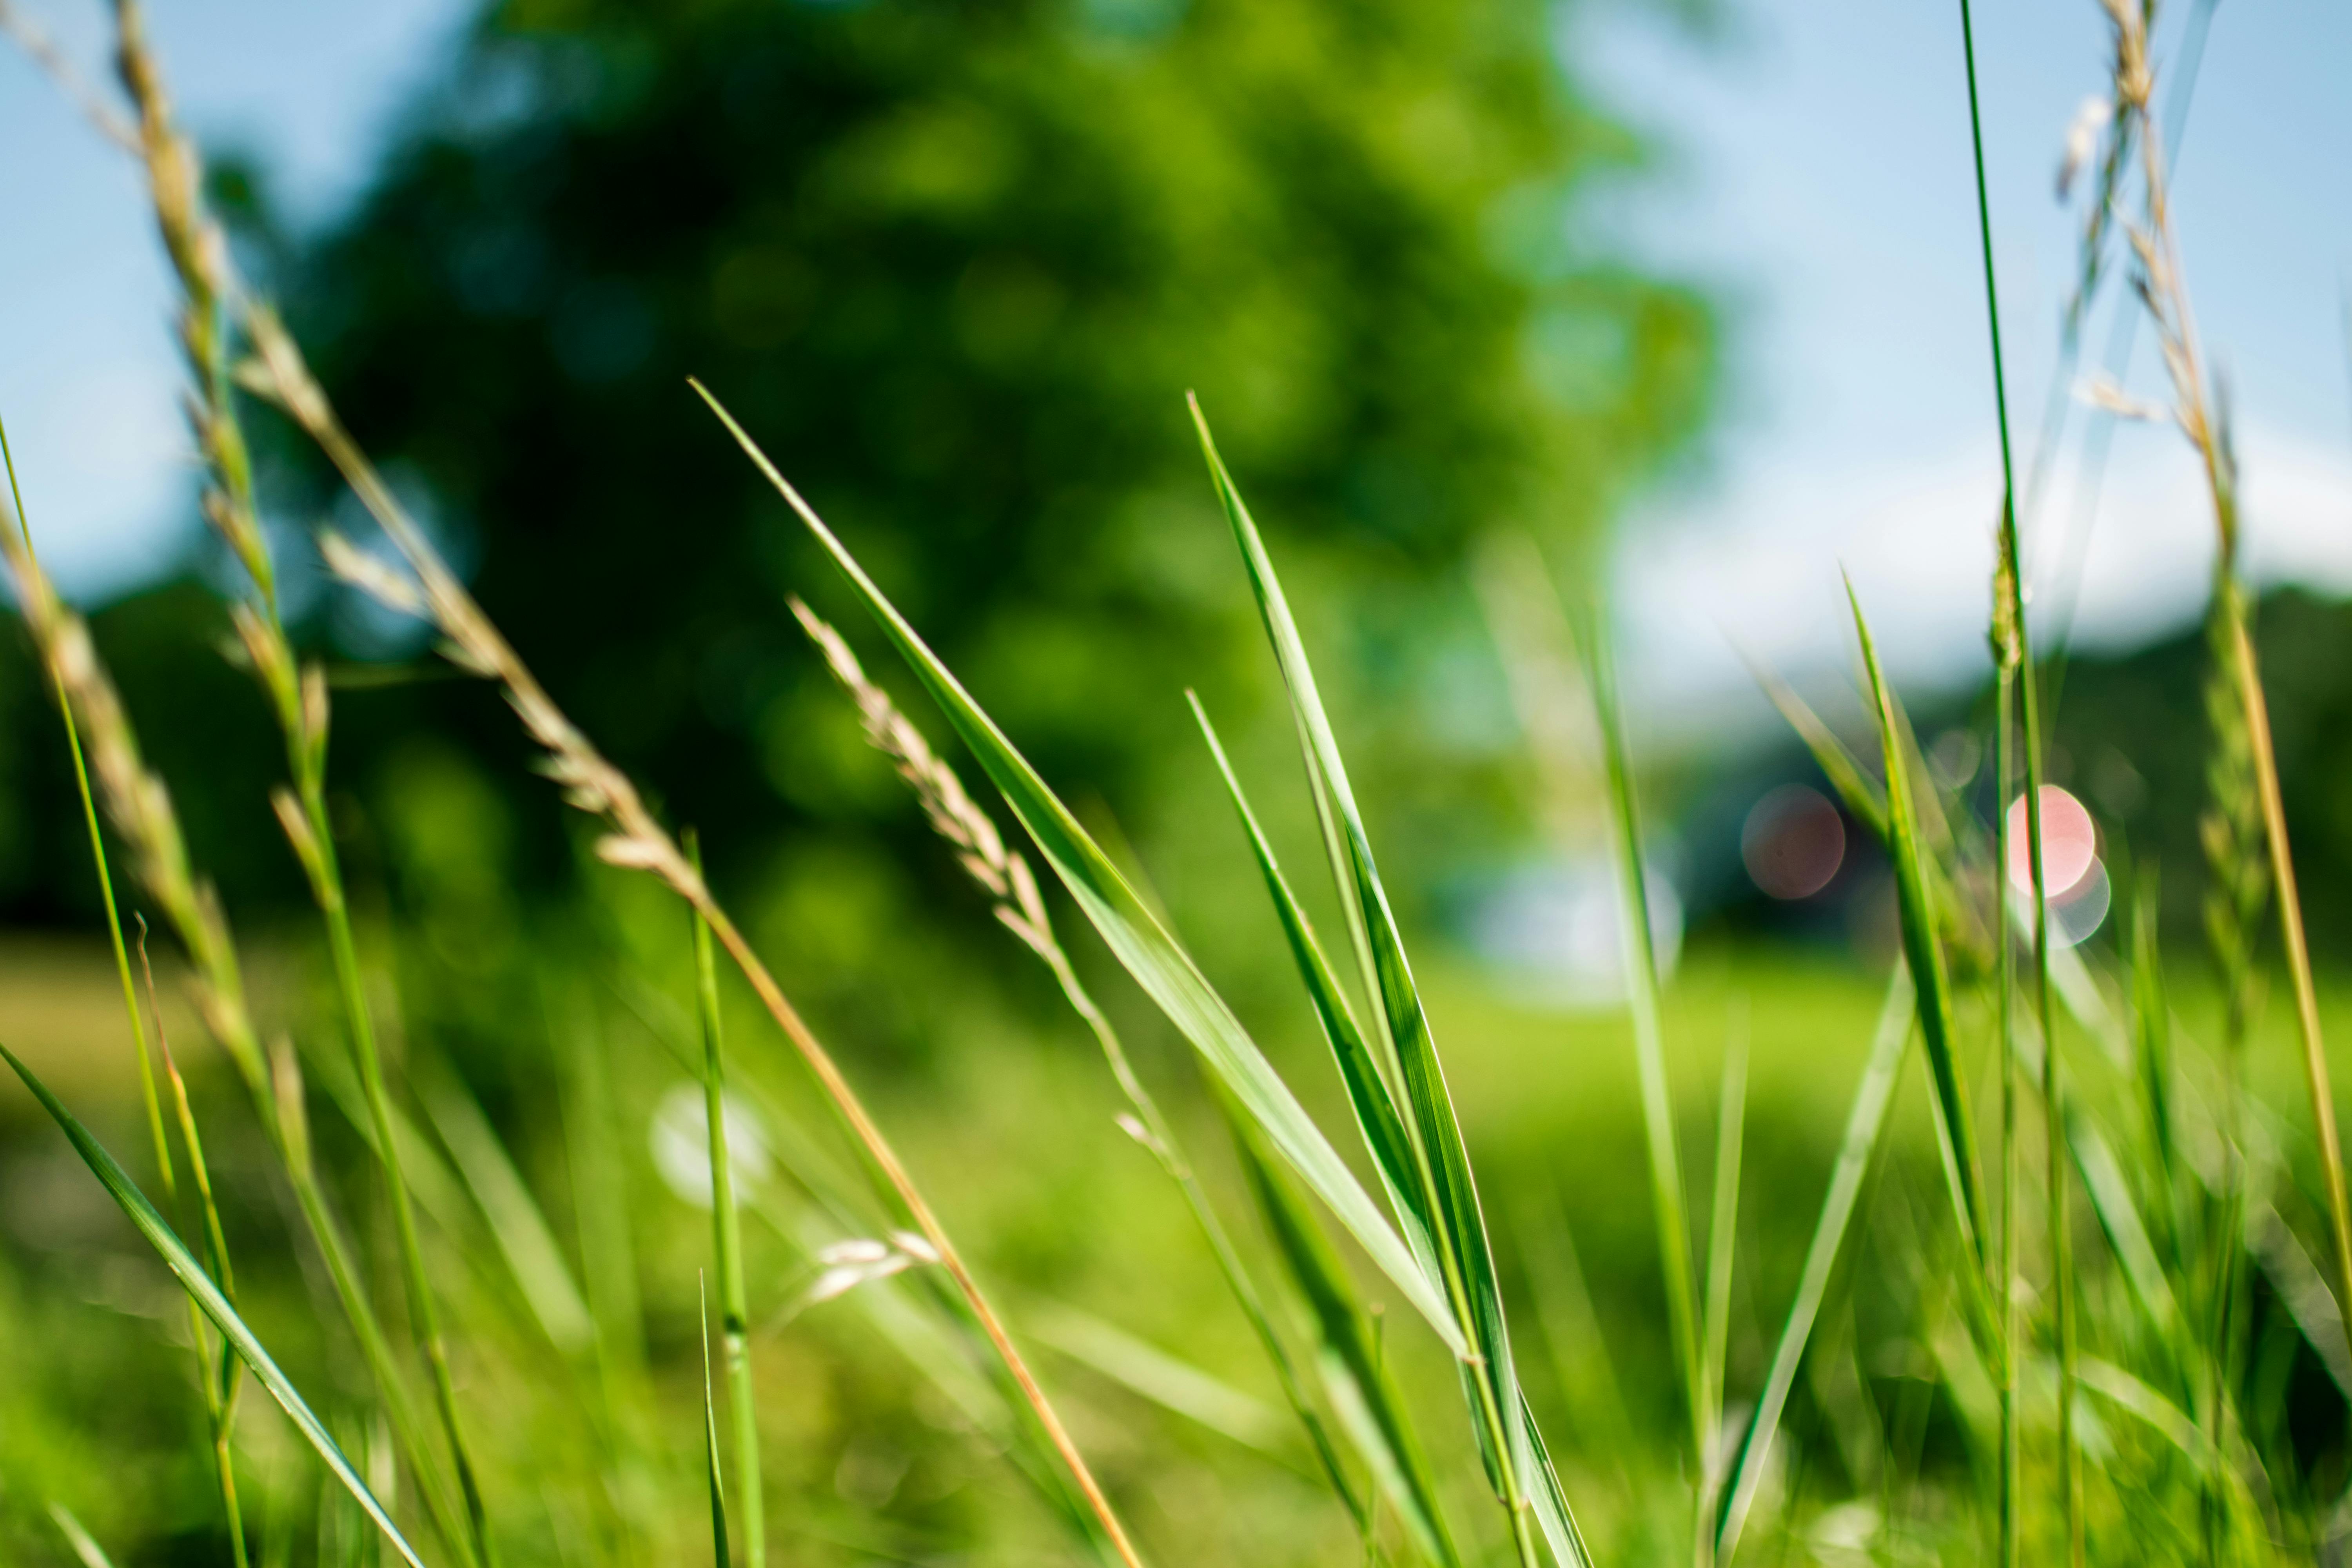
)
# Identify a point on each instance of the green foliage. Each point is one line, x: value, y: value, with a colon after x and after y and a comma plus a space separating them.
x: 957, y: 264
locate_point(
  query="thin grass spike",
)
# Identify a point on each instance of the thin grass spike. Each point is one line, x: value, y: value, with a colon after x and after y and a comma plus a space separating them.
x: 1004, y: 875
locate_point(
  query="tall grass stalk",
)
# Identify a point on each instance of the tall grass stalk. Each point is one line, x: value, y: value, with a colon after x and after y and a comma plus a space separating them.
x: 298, y: 696
x: 1004, y: 873
x: 727, y: 1245
x: 2164, y: 290
x: 634, y: 839
x: 1459, y: 1295
x: 1448, y: 1213
x: 2014, y: 653
x: 1923, y: 947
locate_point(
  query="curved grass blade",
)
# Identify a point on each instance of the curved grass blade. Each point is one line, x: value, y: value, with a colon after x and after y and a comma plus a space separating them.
x: 1367, y: 1400
x: 1669, y: 1202
x: 1367, y: 1092
x: 1159, y: 963
x: 1925, y: 953
x: 1450, y: 1192
x: 199, y: 1285
x: 1862, y: 1125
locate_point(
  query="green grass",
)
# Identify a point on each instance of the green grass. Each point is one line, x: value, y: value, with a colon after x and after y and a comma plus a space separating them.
x: 1490, y: 1267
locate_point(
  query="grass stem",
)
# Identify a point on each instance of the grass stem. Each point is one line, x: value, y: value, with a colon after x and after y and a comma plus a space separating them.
x: 2016, y: 654
x: 727, y: 1242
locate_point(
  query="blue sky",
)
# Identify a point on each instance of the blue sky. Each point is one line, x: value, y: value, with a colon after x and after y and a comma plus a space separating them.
x: 1812, y: 170
x: 1815, y: 169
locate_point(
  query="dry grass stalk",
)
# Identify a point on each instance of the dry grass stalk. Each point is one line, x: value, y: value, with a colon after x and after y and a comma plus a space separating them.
x: 200, y: 257
x: 2251, y: 789
x: 635, y: 840
x: 979, y: 849
x: 1004, y: 873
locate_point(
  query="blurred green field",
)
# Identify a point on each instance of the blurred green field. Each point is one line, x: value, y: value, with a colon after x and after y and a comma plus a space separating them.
x: 1011, y: 1123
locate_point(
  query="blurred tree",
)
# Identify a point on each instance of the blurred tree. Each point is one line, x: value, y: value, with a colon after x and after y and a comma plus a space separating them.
x: 956, y: 264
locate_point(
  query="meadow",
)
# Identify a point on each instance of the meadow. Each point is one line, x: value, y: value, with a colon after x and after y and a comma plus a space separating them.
x: 479, y: 1231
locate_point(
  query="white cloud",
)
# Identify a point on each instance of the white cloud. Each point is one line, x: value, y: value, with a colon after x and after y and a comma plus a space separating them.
x: 1758, y: 566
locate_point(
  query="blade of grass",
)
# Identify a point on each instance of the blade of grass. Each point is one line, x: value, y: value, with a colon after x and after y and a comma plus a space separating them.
x: 1864, y: 1124
x: 223, y: 1468
x: 726, y: 1240
x: 2007, y: 654
x: 1020, y: 907
x: 1385, y: 1137
x: 2015, y: 650
x: 2298, y: 962
x: 1449, y: 1190
x: 1925, y: 954
x: 1141, y: 944
x: 1361, y: 1388
x: 1669, y: 1204
x: 222, y: 1381
x: 199, y: 1285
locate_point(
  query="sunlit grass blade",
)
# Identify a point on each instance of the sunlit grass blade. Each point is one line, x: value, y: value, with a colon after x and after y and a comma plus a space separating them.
x: 1669, y: 1202
x: 199, y: 1285
x: 1367, y: 1092
x: 710, y: 1437
x: 1361, y: 1390
x: 1863, y: 1126
x: 1442, y: 1160
x: 1923, y: 949
x: 1140, y: 942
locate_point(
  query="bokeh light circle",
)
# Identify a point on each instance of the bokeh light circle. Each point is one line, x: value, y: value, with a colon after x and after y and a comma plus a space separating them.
x: 1792, y: 843
x: 2070, y: 844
